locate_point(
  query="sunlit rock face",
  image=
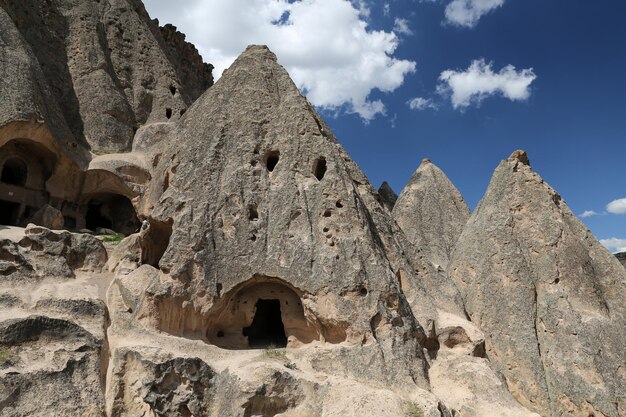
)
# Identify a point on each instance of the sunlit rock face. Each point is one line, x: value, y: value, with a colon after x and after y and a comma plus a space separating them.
x: 109, y: 67
x: 431, y: 212
x: 266, y: 205
x: 548, y: 296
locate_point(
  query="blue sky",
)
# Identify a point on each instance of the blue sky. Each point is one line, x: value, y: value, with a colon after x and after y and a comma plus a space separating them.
x: 569, y: 114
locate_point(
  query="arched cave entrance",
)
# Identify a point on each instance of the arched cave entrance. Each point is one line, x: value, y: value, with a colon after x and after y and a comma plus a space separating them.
x: 25, y: 166
x: 259, y: 313
x: 267, y: 328
x: 14, y: 172
x: 111, y: 211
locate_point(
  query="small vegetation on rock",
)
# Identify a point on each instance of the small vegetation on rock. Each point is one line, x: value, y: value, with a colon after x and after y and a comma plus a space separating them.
x: 291, y: 365
x: 103, y: 151
x: 5, y: 355
x: 116, y: 238
x: 280, y: 354
x: 413, y: 410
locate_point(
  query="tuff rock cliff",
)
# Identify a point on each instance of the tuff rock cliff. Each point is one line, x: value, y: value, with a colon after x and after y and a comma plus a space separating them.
x: 431, y: 212
x: 547, y: 294
x: 218, y: 253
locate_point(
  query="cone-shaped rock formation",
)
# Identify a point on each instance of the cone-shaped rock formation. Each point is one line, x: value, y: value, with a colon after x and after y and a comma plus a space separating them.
x: 263, y: 200
x: 387, y: 195
x: 431, y: 212
x: 548, y: 296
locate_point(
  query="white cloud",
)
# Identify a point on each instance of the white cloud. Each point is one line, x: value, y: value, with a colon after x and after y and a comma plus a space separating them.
x: 386, y: 9
x: 401, y: 26
x: 617, y: 206
x: 588, y: 213
x: 466, y: 13
x: 326, y: 45
x: 479, y: 81
x: 420, y: 103
x: 614, y: 244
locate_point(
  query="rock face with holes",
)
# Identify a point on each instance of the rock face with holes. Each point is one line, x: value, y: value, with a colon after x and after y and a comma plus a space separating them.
x: 110, y: 66
x: 271, y: 220
x: 76, y: 77
x: 432, y: 213
x: 548, y: 296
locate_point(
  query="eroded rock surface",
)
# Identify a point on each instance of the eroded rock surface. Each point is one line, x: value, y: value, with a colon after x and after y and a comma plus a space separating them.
x: 53, y: 349
x: 263, y: 200
x: 431, y: 212
x: 548, y: 296
x: 108, y: 66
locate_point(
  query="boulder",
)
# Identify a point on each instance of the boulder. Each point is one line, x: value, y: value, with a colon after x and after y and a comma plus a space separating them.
x: 49, y: 365
x: 48, y: 217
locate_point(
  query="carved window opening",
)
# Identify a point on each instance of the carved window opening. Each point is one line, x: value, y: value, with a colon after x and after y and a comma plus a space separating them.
x: 319, y: 168
x: 253, y: 213
x: 154, y: 240
x: 271, y: 160
x: 15, y: 172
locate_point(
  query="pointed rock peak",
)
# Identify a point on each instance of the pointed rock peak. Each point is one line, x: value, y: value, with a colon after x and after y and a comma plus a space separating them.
x: 387, y: 195
x: 523, y: 247
x: 431, y: 212
x: 256, y: 89
x: 253, y: 170
x: 254, y: 58
x: 520, y: 156
x: 261, y: 51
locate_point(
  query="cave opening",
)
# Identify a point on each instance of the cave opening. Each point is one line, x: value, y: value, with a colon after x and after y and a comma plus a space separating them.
x: 111, y: 211
x: 15, y: 172
x: 95, y: 219
x: 267, y: 328
x: 9, y: 213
